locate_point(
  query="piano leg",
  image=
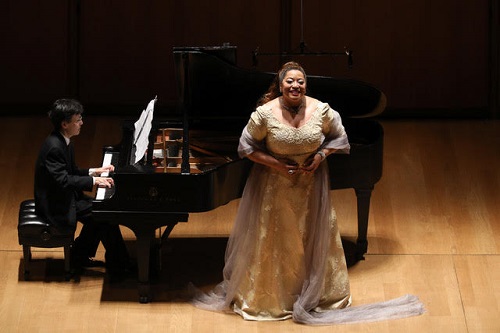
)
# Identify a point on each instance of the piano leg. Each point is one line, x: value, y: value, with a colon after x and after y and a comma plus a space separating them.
x: 145, y: 235
x: 144, y: 238
x: 363, y: 201
x: 144, y: 227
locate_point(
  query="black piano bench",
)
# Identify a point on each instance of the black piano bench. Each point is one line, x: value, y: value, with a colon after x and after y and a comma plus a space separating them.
x: 34, y: 231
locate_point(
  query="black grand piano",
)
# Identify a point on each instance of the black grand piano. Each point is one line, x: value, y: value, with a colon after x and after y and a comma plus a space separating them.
x: 191, y: 164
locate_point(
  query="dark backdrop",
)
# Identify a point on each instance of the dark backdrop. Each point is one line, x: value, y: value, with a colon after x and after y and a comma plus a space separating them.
x: 427, y: 56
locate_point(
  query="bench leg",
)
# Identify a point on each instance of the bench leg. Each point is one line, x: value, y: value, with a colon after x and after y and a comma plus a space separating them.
x: 67, y: 262
x: 27, y: 260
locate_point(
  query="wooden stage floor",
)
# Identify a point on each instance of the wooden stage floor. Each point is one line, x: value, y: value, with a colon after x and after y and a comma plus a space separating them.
x: 434, y: 231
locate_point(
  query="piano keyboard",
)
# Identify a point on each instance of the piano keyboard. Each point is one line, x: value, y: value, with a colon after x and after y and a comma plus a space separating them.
x: 104, y: 192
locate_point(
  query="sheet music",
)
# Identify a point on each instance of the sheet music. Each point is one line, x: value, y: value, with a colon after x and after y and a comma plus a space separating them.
x: 142, y: 129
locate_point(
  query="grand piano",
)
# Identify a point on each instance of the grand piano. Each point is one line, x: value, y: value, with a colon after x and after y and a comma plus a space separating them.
x: 191, y: 164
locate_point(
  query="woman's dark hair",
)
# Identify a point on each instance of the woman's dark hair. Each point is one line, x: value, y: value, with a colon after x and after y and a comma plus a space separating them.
x: 63, y: 110
x: 274, y: 88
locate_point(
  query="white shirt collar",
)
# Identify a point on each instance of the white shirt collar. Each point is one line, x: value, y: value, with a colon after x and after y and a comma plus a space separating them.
x: 65, y: 139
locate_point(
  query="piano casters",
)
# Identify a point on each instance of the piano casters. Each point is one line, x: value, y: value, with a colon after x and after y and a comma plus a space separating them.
x: 363, y: 200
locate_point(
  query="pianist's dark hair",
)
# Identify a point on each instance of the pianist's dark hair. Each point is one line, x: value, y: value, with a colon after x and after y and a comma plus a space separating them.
x: 274, y: 88
x: 64, y: 109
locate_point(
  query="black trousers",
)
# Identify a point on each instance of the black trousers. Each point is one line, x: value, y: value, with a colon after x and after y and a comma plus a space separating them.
x: 93, y: 233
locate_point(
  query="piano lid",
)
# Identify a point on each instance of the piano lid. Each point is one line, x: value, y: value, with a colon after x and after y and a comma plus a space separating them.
x: 213, y: 87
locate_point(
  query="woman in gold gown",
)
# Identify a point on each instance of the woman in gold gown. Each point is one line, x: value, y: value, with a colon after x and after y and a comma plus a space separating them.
x: 284, y: 256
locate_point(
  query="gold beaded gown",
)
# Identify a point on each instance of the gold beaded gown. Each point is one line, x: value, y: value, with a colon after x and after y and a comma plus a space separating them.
x: 285, y: 250
x: 284, y: 258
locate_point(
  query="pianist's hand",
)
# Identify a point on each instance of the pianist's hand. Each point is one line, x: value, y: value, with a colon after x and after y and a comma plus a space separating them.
x: 104, y: 181
x: 107, y: 168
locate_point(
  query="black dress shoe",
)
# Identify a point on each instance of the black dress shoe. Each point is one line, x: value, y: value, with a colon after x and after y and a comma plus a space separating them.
x: 122, y: 271
x: 86, y: 262
x: 91, y: 262
x: 120, y: 274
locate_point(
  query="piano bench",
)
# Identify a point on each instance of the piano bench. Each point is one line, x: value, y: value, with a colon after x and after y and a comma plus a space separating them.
x: 33, y: 231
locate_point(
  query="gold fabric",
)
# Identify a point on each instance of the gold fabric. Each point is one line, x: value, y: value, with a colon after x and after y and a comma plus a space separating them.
x: 284, y: 257
x: 279, y: 265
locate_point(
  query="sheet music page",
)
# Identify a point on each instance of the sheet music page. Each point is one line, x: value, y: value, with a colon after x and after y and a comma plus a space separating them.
x: 142, y: 129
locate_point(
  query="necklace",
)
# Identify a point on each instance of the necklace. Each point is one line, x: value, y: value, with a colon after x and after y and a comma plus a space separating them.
x: 294, y: 110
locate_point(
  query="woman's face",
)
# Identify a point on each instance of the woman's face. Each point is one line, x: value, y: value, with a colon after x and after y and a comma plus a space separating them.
x: 293, y: 86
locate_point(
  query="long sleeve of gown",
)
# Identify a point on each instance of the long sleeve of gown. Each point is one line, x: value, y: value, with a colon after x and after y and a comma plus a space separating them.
x: 334, y: 131
x: 334, y: 134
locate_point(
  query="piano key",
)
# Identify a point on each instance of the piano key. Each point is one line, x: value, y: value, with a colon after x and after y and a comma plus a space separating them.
x: 108, y: 156
x: 104, y: 192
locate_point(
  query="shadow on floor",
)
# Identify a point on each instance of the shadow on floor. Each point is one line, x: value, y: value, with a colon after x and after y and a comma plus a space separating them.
x: 182, y: 261
x: 179, y: 262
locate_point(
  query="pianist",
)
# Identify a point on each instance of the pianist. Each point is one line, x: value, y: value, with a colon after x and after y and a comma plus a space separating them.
x: 59, y: 192
x: 284, y: 257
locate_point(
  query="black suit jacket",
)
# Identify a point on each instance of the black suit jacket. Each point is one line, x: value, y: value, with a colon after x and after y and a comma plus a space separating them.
x: 59, y: 183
